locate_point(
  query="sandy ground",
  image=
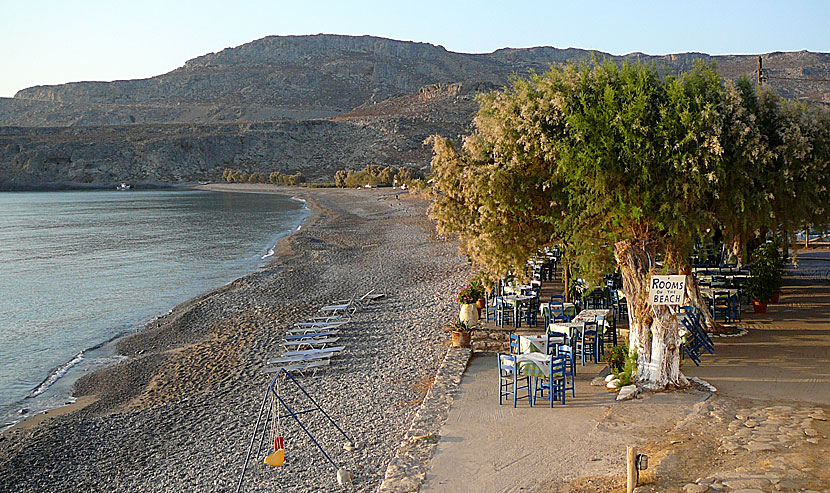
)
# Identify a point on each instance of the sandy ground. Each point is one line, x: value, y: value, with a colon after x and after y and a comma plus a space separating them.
x: 765, y: 430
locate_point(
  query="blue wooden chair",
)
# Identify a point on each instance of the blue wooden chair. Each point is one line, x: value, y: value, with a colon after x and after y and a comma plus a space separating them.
x: 721, y: 306
x: 530, y: 312
x: 553, y: 340
x: 504, y: 311
x: 554, y: 383
x: 515, y: 347
x: 567, y: 352
x: 491, y: 311
x: 603, y: 328
x: 509, y: 380
x: 585, y: 345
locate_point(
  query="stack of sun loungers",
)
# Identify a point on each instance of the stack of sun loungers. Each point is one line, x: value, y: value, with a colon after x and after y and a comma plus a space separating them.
x: 310, y: 345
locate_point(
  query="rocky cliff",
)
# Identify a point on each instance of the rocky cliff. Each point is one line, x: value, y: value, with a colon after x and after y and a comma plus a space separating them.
x: 310, y: 103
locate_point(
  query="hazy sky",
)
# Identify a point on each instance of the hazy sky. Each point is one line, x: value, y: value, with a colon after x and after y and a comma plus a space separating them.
x: 56, y: 41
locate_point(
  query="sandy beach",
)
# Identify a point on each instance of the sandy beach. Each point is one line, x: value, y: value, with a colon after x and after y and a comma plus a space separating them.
x: 177, y: 415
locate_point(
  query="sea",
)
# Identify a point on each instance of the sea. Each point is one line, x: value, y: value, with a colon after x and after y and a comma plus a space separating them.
x: 80, y: 268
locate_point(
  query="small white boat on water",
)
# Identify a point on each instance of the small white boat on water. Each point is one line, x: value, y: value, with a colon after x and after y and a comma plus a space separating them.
x: 123, y: 186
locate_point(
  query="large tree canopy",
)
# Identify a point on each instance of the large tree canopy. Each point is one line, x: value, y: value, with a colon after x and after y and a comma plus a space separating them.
x: 621, y: 165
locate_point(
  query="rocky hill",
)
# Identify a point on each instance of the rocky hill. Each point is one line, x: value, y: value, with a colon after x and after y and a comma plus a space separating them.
x: 311, y: 103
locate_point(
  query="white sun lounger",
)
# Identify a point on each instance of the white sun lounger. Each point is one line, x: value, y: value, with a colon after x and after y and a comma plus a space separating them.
x: 331, y: 349
x: 299, y: 357
x: 312, y: 335
x: 308, y: 365
x: 306, y: 330
x: 311, y: 343
x: 321, y: 324
x: 328, y: 318
x: 371, y: 296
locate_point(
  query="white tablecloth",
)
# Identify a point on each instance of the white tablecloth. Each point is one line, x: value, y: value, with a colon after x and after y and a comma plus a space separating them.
x: 530, y: 344
x: 567, y: 327
x: 591, y: 315
x: 535, y: 364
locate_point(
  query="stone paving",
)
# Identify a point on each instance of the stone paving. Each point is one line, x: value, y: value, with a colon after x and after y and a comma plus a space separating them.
x: 769, y: 432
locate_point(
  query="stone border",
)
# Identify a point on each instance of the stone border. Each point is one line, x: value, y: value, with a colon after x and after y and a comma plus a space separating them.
x: 408, y: 469
x: 703, y: 383
x: 741, y: 333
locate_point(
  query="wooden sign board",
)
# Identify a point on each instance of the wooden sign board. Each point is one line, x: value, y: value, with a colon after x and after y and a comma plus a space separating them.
x: 666, y: 290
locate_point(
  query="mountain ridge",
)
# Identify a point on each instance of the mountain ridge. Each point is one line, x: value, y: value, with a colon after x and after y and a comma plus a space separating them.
x: 388, y: 94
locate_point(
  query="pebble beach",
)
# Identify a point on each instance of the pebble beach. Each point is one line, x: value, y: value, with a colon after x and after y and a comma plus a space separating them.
x: 178, y: 413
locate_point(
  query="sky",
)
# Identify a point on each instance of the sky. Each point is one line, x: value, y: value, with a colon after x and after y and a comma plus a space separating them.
x: 58, y: 41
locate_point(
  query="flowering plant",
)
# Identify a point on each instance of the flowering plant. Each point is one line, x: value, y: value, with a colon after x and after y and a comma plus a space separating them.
x: 470, y: 294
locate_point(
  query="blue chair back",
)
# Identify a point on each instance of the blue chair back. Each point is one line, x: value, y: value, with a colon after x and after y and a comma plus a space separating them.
x: 554, y: 340
x: 515, y: 347
x: 507, y: 364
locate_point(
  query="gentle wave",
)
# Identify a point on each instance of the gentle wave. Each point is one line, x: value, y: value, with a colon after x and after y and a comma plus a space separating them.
x: 57, y: 374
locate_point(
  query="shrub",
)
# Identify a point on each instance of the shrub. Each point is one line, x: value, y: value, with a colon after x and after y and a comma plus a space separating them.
x: 629, y: 370
x: 616, y: 357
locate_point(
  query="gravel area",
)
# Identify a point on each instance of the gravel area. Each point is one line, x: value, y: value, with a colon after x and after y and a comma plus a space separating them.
x: 178, y: 414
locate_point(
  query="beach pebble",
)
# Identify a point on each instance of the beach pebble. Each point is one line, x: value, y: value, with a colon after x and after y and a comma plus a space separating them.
x: 627, y: 392
x: 696, y: 488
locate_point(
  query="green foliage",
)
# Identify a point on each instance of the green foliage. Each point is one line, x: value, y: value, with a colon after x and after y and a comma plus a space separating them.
x: 587, y: 156
x: 377, y: 176
x: 629, y: 370
x: 767, y: 273
x: 461, y: 326
x: 321, y: 184
x: 616, y: 357
x: 234, y: 176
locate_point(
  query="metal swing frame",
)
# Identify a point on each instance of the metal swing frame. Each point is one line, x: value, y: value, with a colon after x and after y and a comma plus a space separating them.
x: 271, y: 393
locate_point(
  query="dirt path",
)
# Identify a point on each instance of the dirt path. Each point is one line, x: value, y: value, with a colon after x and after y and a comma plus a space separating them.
x: 507, y: 449
x: 786, y: 354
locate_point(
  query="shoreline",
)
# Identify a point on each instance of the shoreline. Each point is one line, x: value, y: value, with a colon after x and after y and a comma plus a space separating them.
x: 32, y: 420
x: 205, y: 354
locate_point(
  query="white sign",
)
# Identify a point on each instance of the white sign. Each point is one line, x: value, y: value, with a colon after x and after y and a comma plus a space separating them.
x: 666, y: 290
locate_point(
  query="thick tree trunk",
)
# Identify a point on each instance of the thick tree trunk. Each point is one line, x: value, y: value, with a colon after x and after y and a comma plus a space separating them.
x: 653, y: 331
x: 566, y: 278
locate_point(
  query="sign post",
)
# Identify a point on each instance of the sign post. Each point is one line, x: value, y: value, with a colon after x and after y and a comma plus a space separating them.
x: 666, y: 290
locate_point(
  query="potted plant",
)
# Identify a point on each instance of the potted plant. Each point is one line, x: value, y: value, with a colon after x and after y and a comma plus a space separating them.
x: 775, y: 265
x: 766, y: 277
x: 477, y: 286
x: 461, y: 333
x: 467, y: 298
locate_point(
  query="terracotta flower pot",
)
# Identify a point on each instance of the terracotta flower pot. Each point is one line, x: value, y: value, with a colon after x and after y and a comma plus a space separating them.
x: 759, y: 307
x: 460, y: 338
x: 776, y: 295
x: 480, y: 304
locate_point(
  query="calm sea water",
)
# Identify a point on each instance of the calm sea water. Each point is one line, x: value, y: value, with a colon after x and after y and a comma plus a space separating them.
x: 79, y: 268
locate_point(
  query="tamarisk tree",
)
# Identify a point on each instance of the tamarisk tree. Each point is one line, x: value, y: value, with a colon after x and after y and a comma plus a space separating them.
x: 619, y: 165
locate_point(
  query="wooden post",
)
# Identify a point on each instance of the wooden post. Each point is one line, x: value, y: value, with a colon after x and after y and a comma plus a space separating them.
x: 631, y: 469
x: 760, y: 69
x: 807, y: 237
